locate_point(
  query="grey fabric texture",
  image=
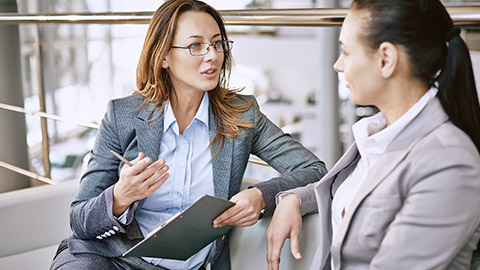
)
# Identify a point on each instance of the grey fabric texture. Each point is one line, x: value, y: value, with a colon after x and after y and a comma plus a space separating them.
x: 65, y: 260
x: 128, y: 129
x: 418, y: 207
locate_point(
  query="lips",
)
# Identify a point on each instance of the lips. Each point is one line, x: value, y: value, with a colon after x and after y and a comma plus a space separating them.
x: 210, y: 73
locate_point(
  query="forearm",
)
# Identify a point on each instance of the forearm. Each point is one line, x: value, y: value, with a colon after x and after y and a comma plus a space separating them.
x: 296, y: 179
x: 93, y: 217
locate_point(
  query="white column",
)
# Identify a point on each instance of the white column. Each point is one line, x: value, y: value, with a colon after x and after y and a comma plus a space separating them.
x: 326, y: 96
x: 13, y: 146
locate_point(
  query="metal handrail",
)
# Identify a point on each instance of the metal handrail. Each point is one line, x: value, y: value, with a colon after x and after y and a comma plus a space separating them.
x: 48, y: 116
x: 468, y: 16
x: 27, y: 173
x: 463, y: 16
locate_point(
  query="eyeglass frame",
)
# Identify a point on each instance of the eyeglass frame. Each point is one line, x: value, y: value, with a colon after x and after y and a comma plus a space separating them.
x: 226, y: 41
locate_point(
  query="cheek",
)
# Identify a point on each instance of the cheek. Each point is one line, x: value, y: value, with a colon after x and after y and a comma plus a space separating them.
x: 220, y: 59
x: 348, y: 69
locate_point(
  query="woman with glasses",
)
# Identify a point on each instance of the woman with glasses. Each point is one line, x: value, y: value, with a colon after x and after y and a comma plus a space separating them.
x: 405, y: 195
x: 186, y: 134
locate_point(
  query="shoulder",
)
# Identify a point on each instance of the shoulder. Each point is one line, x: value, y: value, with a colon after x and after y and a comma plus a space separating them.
x: 240, y: 99
x: 447, y: 137
x: 446, y: 148
x: 244, y: 99
x: 122, y: 111
x: 127, y: 103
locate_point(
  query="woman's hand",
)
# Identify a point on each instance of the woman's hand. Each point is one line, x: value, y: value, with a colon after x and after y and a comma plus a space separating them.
x: 245, y: 212
x: 138, y: 182
x: 286, y: 223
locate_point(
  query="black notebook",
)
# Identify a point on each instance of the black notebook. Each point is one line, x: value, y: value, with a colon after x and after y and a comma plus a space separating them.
x: 186, y: 232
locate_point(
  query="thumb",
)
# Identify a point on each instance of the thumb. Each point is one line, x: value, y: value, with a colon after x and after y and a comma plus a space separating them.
x: 295, y: 245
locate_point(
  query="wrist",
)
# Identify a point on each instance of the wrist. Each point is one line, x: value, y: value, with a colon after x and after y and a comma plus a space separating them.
x: 292, y: 199
x: 120, y: 204
x: 261, y: 201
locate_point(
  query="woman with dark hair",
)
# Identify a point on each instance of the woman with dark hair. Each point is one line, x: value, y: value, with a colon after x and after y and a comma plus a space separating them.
x: 405, y: 195
x: 187, y: 134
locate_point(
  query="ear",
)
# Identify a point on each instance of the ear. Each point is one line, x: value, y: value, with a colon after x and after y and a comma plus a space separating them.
x: 388, y: 59
x: 165, y: 64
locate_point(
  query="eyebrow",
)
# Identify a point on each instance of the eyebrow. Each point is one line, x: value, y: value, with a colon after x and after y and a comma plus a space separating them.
x: 199, y: 36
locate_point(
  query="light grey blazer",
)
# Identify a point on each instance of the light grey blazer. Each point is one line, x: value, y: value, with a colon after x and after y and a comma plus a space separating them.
x: 419, y: 207
x: 125, y: 129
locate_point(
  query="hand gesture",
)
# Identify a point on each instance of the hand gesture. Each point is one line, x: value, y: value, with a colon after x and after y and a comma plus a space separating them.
x: 138, y: 181
x: 286, y: 223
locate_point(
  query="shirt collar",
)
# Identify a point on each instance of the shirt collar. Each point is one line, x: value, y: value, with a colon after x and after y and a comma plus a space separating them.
x: 373, y: 138
x: 170, y: 121
x: 202, y: 113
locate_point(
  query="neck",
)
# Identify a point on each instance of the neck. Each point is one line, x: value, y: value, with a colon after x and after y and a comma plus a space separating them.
x: 401, y: 98
x: 185, y: 107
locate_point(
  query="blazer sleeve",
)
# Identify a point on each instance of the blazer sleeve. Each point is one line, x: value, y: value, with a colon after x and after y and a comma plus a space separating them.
x: 439, y: 215
x: 306, y: 194
x: 91, y: 213
x: 297, y: 165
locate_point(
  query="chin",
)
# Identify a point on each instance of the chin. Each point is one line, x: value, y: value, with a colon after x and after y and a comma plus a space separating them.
x: 209, y: 87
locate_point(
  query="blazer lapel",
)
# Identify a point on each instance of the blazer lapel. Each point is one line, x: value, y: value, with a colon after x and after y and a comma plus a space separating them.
x: 222, y: 162
x: 429, y: 118
x: 344, y: 161
x: 149, y: 132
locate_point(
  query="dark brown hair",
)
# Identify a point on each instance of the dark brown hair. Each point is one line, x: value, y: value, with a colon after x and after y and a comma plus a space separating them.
x: 153, y: 81
x: 438, y: 55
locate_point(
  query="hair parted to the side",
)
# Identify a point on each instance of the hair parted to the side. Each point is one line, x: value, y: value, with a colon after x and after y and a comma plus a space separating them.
x: 438, y: 55
x: 153, y: 81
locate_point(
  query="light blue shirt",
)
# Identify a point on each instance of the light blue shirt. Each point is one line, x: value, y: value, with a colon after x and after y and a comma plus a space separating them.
x: 190, y: 169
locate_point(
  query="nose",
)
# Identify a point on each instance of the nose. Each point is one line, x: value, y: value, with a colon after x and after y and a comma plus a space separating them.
x: 338, y: 66
x: 211, y: 54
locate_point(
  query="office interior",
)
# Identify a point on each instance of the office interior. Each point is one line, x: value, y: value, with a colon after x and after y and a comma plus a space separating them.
x: 57, y: 76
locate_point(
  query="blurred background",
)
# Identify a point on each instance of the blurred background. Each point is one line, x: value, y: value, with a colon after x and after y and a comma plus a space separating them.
x: 288, y: 69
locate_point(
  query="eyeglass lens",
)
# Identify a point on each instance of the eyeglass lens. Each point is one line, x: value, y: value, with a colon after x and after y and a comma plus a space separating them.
x: 203, y: 48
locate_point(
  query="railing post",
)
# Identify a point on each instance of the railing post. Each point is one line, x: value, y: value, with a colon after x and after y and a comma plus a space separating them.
x: 13, y: 144
x: 42, y: 103
x: 326, y: 95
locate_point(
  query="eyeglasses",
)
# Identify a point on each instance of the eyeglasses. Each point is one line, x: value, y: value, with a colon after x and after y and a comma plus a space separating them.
x: 199, y: 49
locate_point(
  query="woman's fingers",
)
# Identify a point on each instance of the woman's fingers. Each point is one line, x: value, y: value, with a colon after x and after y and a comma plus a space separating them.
x: 295, y: 244
x: 286, y: 223
x: 248, y: 204
x: 148, y: 174
x: 274, y: 249
x: 227, y: 216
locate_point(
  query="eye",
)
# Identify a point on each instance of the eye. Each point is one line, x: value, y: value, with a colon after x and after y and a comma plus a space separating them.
x: 195, y: 46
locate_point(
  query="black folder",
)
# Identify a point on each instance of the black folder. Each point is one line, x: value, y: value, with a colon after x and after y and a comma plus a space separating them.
x: 185, y: 233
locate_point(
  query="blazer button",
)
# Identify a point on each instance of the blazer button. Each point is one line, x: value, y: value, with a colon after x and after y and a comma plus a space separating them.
x: 112, y: 232
x: 99, y: 237
x: 108, y: 234
x: 116, y: 228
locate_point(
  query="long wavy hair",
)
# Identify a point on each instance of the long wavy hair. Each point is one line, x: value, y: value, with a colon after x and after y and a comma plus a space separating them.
x: 437, y: 53
x: 153, y: 81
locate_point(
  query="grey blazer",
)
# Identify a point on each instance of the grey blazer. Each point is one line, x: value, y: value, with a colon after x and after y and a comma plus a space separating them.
x: 419, y: 207
x: 125, y: 129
